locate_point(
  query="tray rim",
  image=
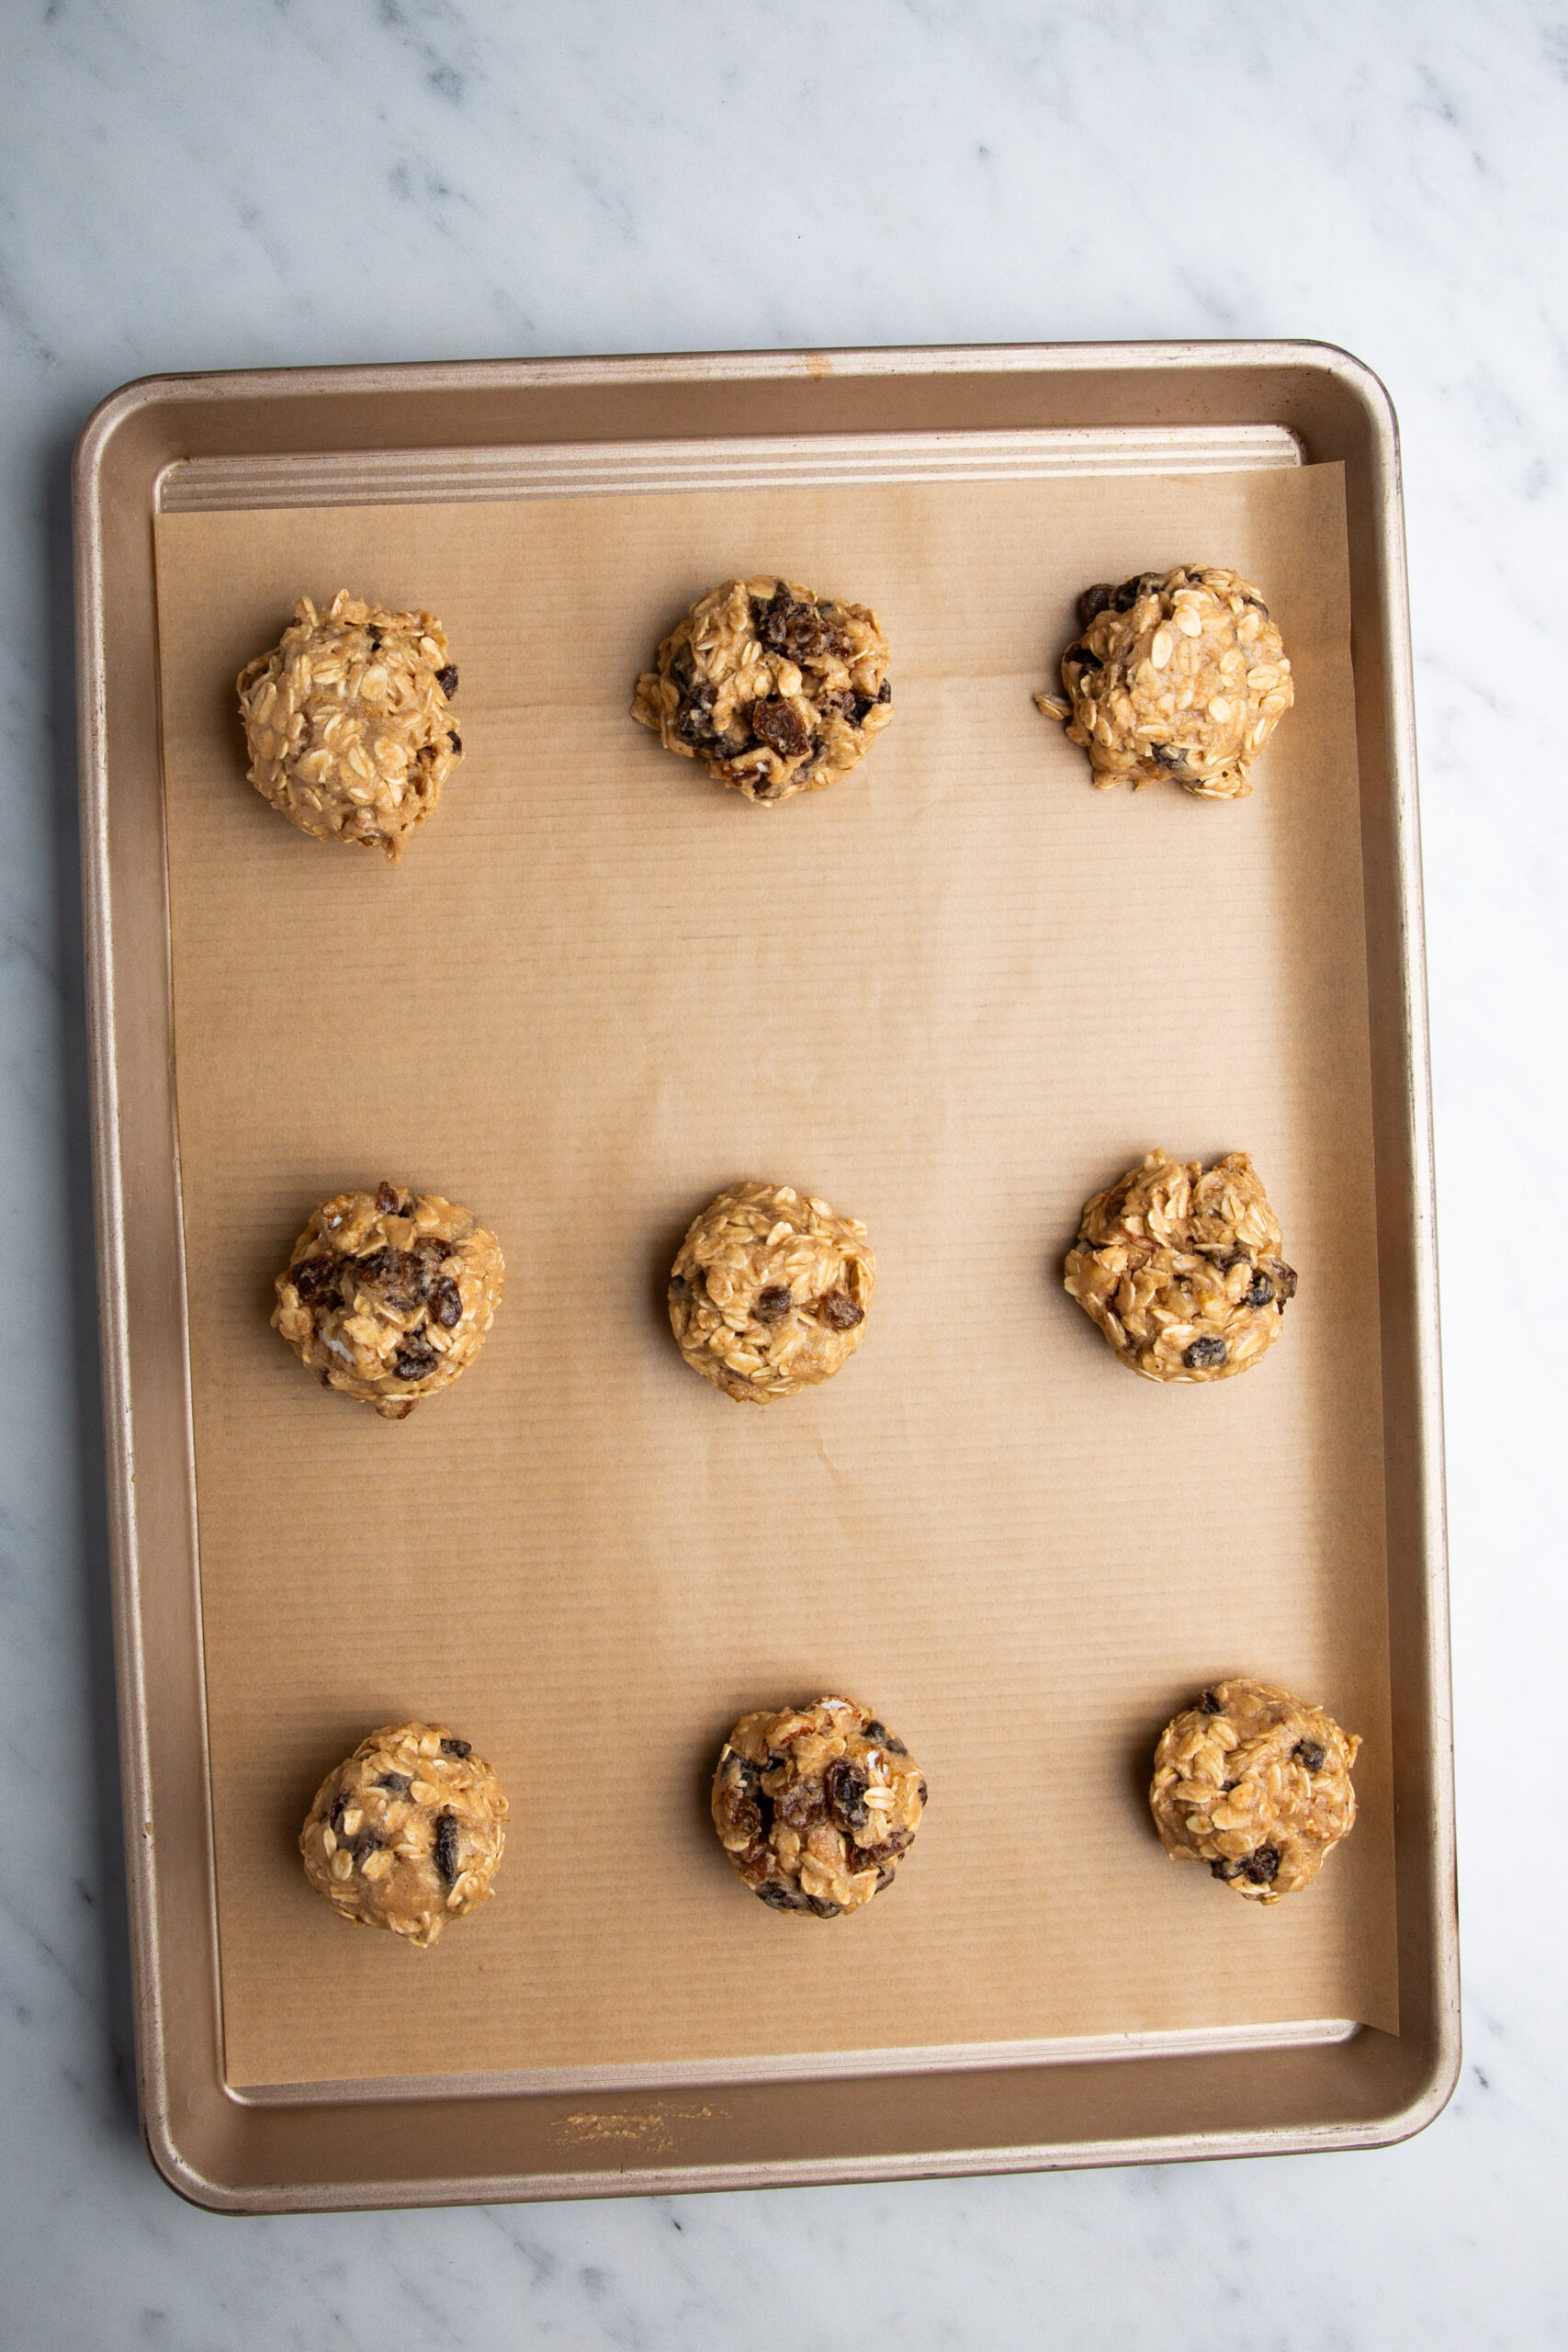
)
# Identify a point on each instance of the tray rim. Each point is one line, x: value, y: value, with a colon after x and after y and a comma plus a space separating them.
x: 134, y: 402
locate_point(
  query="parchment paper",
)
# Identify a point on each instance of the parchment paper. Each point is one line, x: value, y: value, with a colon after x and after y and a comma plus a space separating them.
x: 954, y: 995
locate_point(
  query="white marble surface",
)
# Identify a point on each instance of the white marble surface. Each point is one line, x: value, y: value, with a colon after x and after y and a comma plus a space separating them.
x: 218, y: 182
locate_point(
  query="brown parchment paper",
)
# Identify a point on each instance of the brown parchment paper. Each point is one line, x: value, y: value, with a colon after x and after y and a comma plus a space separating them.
x: 953, y: 995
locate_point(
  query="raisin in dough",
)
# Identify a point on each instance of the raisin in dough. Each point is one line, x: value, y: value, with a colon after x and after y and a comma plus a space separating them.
x: 346, y: 721
x: 1256, y: 1784
x: 777, y: 690
x: 815, y: 1805
x: 388, y: 1295
x: 1181, y: 1268
x: 1178, y: 675
x: 770, y: 1292
x: 408, y: 1833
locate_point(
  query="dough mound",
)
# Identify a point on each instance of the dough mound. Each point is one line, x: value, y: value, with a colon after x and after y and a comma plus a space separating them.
x: 1178, y: 675
x: 775, y: 689
x: 1181, y: 1268
x: 770, y: 1292
x: 388, y: 1295
x: 1256, y: 1784
x: 346, y: 721
x: 408, y: 1833
x: 815, y: 1805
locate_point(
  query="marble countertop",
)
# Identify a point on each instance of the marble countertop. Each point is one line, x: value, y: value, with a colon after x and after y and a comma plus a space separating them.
x: 187, y: 186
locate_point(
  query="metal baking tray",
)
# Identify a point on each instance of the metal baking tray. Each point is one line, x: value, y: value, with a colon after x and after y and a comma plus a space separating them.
x: 338, y: 436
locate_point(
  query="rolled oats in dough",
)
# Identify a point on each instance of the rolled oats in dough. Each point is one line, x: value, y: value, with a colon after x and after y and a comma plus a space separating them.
x: 1255, y: 1784
x: 1181, y: 1267
x: 346, y: 721
x: 388, y: 1295
x: 775, y: 689
x: 770, y: 1291
x: 408, y: 1833
x: 1178, y: 674
x: 816, y: 1805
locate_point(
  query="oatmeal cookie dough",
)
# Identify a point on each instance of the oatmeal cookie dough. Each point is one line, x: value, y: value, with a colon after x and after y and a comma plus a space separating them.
x: 815, y: 1805
x: 770, y: 1292
x: 1255, y: 1784
x: 346, y: 721
x: 1181, y: 1267
x: 1178, y: 674
x: 775, y: 689
x: 388, y: 1295
x: 408, y: 1833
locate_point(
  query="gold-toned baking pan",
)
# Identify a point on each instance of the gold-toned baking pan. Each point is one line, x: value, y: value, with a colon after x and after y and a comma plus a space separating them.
x: 507, y: 495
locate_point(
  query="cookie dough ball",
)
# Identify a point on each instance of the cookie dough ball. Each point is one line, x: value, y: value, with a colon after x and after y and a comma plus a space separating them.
x: 770, y: 1292
x: 1179, y: 1265
x: 775, y: 689
x: 1256, y: 1784
x: 388, y: 1295
x: 408, y: 1833
x: 346, y: 721
x: 1178, y: 674
x: 815, y: 1805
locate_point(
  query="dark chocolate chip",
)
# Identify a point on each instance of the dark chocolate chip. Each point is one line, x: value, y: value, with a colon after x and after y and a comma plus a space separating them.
x: 445, y: 1848
x: 1169, y: 755
x: 1209, y: 1705
x: 693, y: 720
x: 773, y: 1304
x: 375, y: 635
x: 858, y: 705
x: 840, y: 1312
x: 446, y: 680
x: 397, y: 1784
x: 780, y: 726
x: 367, y: 1843
x: 445, y: 1303
x: 454, y: 739
x: 1202, y: 1355
x: 875, y: 1730
x: 414, y: 1358
x: 1311, y: 1754
x: 1262, y: 1868
x: 1093, y: 602
x: 895, y: 1747
x: 885, y: 691
x: 1147, y: 583
x: 925, y: 1793
x: 846, y: 1785
x: 679, y: 1285
x: 1225, y: 1870
x: 457, y: 1747
x: 1082, y: 658
x: 1261, y: 1293
x: 387, y: 1199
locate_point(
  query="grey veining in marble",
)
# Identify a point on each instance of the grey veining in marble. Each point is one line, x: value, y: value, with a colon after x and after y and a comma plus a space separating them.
x: 218, y: 185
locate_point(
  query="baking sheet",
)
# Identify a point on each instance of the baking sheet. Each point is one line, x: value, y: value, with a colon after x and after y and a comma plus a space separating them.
x: 953, y: 995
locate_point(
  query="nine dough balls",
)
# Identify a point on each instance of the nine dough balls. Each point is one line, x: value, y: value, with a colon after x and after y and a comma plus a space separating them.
x: 814, y: 1806
x: 777, y: 690
x: 1256, y: 1784
x: 408, y: 1833
x: 388, y: 1295
x: 1181, y: 1268
x: 770, y: 1292
x: 1181, y: 674
x: 346, y: 721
